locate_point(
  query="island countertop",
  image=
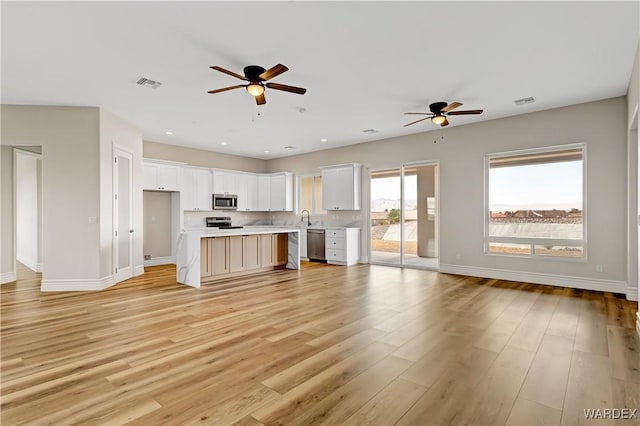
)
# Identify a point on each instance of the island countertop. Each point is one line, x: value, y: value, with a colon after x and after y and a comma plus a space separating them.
x: 188, y: 250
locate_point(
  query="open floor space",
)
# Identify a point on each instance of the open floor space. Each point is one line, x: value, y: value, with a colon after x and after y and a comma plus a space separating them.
x: 323, y: 345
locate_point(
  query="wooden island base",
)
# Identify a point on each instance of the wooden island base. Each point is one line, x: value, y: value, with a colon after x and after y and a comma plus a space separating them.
x: 232, y: 256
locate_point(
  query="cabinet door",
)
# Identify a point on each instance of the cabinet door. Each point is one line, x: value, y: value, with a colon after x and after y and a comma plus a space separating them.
x: 266, y: 250
x: 330, y: 189
x: 241, y: 186
x: 264, y: 193
x: 150, y: 176
x: 278, y: 192
x: 279, y: 249
x: 344, y: 194
x: 188, y: 193
x: 251, y: 194
x: 252, y: 251
x: 236, y: 254
x: 219, y: 255
x: 205, y: 257
x: 169, y: 178
x: 202, y: 194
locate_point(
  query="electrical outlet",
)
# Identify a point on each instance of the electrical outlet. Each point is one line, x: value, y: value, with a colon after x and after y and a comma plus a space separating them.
x: 599, y: 268
x: 147, y: 257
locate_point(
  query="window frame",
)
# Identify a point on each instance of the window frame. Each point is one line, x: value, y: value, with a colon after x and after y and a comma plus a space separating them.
x: 532, y: 242
x: 313, y: 211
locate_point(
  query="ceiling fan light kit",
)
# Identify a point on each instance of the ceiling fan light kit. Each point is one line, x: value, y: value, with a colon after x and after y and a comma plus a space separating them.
x: 256, y: 75
x: 440, y: 111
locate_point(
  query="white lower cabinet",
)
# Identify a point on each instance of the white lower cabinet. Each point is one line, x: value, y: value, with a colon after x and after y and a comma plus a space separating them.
x: 342, y: 245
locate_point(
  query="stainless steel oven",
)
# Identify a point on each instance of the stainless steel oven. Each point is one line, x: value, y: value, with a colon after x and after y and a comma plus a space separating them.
x: 225, y: 202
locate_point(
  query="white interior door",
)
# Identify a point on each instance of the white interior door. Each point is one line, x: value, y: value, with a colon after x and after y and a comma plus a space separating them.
x: 122, y: 214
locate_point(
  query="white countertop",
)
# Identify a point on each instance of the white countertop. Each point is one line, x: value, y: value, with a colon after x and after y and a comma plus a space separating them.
x: 247, y: 230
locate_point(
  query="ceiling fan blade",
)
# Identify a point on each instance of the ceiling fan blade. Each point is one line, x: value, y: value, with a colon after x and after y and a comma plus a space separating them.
x: 273, y: 72
x: 445, y: 122
x: 416, y: 113
x: 417, y: 121
x: 452, y: 105
x: 224, y: 89
x: 467, y: 112
x: 231, y: 73
x: 284, y: 87
x: 260, y: 100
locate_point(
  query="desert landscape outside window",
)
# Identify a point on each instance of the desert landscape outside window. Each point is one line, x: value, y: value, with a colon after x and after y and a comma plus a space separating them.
x: 535, y: 203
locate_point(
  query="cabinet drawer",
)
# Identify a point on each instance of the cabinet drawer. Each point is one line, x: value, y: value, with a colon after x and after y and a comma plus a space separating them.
x: 336, y: 233
x: 335, y: 243
x: 336, y: 254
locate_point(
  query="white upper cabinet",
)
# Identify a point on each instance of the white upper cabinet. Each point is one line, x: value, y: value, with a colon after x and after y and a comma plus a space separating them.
x: 341, y: 187
x: 281, y: 192
x: 264, y: 193
x: 161, y: 177
x: 248, y: 192
x: 225, y: 182
x: 196, y: 194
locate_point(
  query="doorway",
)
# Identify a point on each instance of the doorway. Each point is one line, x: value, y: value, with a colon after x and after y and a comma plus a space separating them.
x: 122, y: 214
x: 404, y: 216
x: 28, y: 207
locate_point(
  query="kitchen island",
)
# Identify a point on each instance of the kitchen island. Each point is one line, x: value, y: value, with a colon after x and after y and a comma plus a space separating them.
x: 209, y: 254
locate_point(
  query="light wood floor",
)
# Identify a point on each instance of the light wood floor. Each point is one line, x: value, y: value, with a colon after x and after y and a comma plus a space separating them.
x: 324, y: 345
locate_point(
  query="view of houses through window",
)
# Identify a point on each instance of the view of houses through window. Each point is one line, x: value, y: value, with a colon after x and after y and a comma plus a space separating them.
x: 535, y: 203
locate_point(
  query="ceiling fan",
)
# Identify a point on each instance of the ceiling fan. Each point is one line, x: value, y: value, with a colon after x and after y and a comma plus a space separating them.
x: 256, y: 76
x: 440, y: 111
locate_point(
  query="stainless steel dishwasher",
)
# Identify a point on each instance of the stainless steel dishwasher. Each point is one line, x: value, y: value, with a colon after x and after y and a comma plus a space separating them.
x: 315, y: 245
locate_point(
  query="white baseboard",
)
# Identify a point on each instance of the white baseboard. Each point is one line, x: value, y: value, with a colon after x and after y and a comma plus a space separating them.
x: 632, y: 293
x: 77, y: 284
x: 638, y: 323
x: 364, y: 259
x: 165, y: 260
x: 7, y: 277
x: 538, y: 278
x: 138, y: 270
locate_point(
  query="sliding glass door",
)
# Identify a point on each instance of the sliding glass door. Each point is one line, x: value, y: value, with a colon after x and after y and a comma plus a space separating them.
x: 404, y: 216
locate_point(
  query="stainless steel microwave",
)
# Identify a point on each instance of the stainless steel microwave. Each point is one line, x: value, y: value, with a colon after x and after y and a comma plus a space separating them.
x: 225, y: 202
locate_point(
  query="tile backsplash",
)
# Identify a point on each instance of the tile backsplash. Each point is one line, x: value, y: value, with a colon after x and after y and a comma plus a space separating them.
x: 333, y: 218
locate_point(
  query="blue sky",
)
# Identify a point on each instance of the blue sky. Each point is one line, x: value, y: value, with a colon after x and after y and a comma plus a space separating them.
x: 537, y: 186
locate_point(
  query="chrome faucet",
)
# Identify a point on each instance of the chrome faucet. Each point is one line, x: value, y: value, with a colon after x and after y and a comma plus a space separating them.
x: 302, y: 217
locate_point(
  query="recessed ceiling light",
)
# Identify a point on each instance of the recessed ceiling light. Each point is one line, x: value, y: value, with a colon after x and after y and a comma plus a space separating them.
x: 323, y: 140
x: 266, y: 151
x: 169, y: 132
x: 223, y: 143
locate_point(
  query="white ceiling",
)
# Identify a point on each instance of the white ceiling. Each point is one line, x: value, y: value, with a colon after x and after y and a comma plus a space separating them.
x: 364, y: 64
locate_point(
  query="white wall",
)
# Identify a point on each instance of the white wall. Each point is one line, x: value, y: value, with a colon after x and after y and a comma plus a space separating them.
x: 600, y: 125
x: 7, y: 254
x: 27, y: 196
x: 199, y: 157
x: 70, y: 187
x: 77, y: 180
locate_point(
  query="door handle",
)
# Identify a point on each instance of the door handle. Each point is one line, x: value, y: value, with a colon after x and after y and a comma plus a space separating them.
x: 131, y: 231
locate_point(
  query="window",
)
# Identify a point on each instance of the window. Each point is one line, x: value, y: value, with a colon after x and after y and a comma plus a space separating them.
x: 310, y: 194
x: 535, y: 203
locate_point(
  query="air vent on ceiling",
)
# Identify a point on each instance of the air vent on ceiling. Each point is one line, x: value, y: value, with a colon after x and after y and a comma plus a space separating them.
x: 370, y: 131
x: 289, y: 147
x: 524, y: 101
x: 148, y: 82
